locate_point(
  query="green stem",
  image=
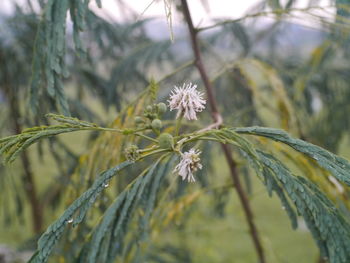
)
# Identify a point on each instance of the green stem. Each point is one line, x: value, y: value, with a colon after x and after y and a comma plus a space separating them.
x: 178, y: 125
x: 146, y: 137
x: 154, y: 147
x: 209, y: 139
x: 154, y: 152
x: 108, y: 129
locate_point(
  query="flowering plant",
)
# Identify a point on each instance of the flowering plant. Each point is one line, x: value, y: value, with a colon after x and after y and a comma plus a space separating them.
x: 149, y: 165
x: 306, y: 200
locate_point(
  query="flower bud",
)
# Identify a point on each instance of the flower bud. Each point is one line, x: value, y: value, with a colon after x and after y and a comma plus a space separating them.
x: 156, y: 124
x: 166, y: 141
x: 149, y: 108
x: 132, y: 153
x: 162, y: 108
x: 138, y: 120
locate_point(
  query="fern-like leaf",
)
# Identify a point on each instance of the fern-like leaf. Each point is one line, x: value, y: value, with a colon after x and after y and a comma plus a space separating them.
x: 80, y: 206
x: 339, y: 167
x: 107, y: 240
x: 328, y: 226
x: 12, y: 146
x: 50, y: 48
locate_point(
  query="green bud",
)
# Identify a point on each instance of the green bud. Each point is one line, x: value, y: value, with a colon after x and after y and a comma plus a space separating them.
x: 139, y: 120
x: 156, y: 124
x: 166, y: 141
x: 149, y: 108
x: 162, y: 108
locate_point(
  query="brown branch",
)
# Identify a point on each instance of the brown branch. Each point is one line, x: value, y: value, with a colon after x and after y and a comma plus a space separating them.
x: 217, y: 119
x: 28, y: 179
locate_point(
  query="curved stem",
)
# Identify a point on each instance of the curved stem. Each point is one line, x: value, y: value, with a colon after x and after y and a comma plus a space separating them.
x: 217, y: 119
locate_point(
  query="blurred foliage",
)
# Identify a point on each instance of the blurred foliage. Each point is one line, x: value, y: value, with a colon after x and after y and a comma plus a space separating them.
x: 100, y: 70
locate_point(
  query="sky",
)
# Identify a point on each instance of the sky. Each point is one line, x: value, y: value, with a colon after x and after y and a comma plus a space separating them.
x: 217, y: 8
x: 201, y: 16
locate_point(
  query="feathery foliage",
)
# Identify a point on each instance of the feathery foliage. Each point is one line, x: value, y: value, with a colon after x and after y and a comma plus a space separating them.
x: 107, y: 240
x: 254, y: 84
x: 338, y: 166
x: 113, y: 226
x: 80, y: 206
x: 50, y: 49
x: 12, y: 146
x: 328, y: 226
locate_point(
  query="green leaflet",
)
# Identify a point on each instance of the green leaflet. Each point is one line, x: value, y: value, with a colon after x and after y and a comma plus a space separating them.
x: 336, y: 165
x: 250, y: 153
x: 327, y: 225
x: 103, y: 230
x: 69, y: 120
x: 81, y: 205
x: 49, y: 65
x: 12, y: 146
x: 108, y: 236
x: 272, y: 185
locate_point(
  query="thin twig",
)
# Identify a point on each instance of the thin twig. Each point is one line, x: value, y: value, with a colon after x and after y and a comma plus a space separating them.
x: 217, y: 119
x: 277, y: 12
x: 214, y: 125
x: 146, y: 137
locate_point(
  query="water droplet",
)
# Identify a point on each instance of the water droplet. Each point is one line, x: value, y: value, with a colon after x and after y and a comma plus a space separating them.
x: 105, y: 185
x: 70, y: 221
x: 283, y: 207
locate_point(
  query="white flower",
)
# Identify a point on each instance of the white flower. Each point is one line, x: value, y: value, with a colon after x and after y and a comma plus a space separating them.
x: 189, y: 163
x: 187, y: 100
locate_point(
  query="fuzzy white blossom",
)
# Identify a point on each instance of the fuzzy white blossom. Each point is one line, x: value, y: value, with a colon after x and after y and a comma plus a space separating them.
x: 190, y: 163
x: 187, y: 100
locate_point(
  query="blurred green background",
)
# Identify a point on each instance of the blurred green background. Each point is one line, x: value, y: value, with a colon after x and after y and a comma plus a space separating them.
x: 282, y: 64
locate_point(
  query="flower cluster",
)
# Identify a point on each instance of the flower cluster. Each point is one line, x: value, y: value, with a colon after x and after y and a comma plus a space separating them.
x: 187, y: 100
x: 190, y: 162
x: 132, y: 153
